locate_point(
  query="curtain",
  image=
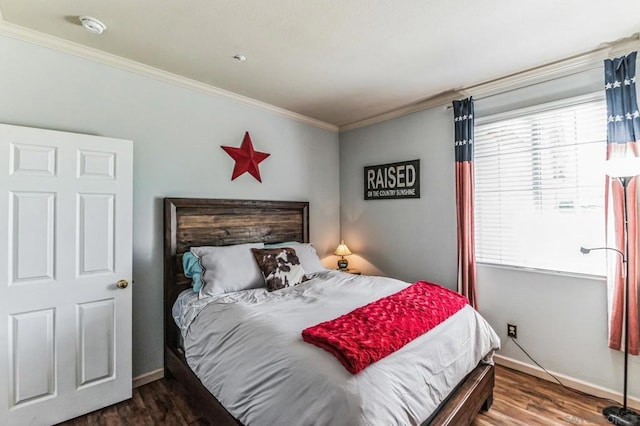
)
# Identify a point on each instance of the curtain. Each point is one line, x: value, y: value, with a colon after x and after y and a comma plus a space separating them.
x: 623, y: 130
x: 463, y: 123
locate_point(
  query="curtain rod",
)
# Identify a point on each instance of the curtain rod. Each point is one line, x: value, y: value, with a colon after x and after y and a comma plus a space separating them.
x: 525, y: 86
x: 584, y: 62
x: 549, y: 72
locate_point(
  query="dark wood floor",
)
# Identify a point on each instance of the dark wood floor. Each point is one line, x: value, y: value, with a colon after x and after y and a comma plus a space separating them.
x: 519, y: 399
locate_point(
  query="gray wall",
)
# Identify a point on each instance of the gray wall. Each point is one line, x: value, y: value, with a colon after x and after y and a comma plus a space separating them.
x: 409, y: 239
x: 176, y: 136
x: 561, y: 319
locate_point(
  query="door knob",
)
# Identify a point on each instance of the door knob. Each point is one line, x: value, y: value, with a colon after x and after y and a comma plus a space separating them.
x: 122, y: 283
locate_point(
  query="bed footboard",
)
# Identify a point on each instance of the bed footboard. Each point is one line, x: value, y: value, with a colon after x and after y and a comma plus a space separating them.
x: 474, y: 394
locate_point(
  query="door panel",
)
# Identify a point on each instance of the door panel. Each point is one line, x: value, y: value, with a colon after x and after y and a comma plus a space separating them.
x: 65, y: 240
x: 97, y: 165
x: 32, y: 361
x: 96, y: 341
x: 96, y: 233
x: 31, y: 217
x: 32, y: 160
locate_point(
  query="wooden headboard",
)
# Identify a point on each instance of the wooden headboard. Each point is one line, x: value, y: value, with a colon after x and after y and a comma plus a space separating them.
x: 191, y: 222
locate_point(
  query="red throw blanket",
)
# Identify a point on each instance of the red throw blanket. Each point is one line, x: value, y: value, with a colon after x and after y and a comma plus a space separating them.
x: 371, y: 332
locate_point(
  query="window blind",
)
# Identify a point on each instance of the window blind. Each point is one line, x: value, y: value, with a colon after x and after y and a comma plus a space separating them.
x: 539, y: 192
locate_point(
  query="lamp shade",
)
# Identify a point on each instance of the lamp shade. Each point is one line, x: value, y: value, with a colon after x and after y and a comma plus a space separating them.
x: 622, y: 167
x: 342, y: 250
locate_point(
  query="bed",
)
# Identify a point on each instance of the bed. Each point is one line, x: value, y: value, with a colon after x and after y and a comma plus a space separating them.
x: 210, y: 222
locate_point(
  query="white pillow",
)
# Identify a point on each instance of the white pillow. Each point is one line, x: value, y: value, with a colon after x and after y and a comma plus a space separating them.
x: 228, y: 268
x: 306, y: 254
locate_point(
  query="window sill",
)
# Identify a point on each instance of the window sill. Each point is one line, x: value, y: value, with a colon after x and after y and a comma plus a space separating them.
x: 545, y: 271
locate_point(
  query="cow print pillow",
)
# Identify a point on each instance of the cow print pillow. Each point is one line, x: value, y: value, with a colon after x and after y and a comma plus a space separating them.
x: 280, y: 267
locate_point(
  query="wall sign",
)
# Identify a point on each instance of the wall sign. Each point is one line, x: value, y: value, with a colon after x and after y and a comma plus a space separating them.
x: 394, y: 180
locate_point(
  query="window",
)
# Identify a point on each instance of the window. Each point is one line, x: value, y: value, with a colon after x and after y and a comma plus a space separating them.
x: 539, y: 194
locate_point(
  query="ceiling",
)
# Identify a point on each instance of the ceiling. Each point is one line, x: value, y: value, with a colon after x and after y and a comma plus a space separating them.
x: 339, y: 62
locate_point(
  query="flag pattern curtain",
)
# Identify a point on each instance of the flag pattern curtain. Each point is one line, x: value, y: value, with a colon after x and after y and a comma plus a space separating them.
x: 463, y: 123
x: 623, y: 130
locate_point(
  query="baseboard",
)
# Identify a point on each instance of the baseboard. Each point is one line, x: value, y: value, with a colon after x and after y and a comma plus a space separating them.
x: 149, y: 377
x: 569, y: 382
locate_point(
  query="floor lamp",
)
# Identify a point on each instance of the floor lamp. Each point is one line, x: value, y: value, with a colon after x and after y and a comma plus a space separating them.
x: 624, y: 170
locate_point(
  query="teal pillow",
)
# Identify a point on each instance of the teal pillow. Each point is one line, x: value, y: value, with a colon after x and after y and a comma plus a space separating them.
x: 193, y: 270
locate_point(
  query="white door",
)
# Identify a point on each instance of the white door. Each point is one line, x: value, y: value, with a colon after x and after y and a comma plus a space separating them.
x: 65, y: 242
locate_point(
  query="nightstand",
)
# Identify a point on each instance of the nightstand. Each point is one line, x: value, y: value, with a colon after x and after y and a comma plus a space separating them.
x: 350, y: 271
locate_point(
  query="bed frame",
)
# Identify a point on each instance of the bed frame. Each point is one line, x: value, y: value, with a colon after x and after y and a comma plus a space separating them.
x: 213, y: 222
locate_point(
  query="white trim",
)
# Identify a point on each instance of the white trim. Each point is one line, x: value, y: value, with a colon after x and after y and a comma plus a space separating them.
x: 69, y: 47
x: 569, y: 382
x: 545, y: 271
x: 147, y: 378
x: 570, y: 66
x: 573, y: 65
x: 434, y: 101
x: 543, y: 107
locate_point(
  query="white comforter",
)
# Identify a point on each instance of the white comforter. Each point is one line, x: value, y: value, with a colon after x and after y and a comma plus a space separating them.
x: 246, y: 348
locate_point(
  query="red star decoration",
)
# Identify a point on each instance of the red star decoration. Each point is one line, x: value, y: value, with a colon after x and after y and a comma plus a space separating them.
x: 247, y: 159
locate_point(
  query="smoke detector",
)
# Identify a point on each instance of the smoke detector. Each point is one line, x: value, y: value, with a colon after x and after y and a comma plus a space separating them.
x: 93, y: 25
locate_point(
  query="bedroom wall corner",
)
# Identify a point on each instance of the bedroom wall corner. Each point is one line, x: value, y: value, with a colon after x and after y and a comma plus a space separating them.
x: 410, y: 239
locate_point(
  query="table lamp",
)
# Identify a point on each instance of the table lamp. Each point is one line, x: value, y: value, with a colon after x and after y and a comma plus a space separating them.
x: 342, y: 251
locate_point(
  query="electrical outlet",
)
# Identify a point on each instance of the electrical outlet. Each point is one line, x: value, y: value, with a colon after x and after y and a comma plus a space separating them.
x: 512, y: 331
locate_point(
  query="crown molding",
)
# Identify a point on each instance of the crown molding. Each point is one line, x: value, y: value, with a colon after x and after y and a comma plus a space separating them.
x: 573, y: 65
x: 433, y: 101
x: 76, y: 49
